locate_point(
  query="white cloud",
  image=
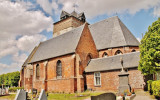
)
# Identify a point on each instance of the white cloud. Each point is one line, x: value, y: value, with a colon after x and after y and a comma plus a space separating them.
x: 156, y: 11
x: 48, y: 6
x: 94, y: 8
x: 15, y: 19
x: 20, y: 32
x: 27, y: 43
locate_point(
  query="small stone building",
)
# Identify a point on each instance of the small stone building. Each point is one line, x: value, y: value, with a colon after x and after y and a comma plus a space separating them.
x: 82, y: 56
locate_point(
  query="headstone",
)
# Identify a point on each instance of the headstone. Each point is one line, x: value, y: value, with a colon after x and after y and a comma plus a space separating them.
x: 3, y: 91
x: 42, y: 95
x: 7, y: 90
x: 34, y: 91
x: 105, y: 96
x: 0, y: 91
x: 21, y: 95
x: 123, y: 82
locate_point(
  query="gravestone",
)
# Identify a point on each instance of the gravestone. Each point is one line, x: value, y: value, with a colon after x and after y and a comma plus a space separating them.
x: 123, y: 82
x: 105, y: 96
x: 34, y: 91
x: 21, y: 95
x: 42, y: 95
x: 7, y: 90
x: 123, y: 79
x: 0, y: 91
x: 3, y: 91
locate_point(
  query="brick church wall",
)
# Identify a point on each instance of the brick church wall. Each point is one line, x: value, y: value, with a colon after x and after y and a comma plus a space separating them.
x: 112, y: 51
x: 110, y: 80
x: 64, y: 84
x: 86, y: 46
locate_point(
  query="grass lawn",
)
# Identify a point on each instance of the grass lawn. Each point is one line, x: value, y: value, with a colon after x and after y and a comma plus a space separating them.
x: 8, y: 97
x: 60, y: 96
x: 73, y: 96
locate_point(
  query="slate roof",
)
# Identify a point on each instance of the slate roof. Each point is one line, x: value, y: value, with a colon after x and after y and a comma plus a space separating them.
x: 74, y: 13
x: 111, y: 33
x: 130, y: 60
x: 58, y: 46
x: 29, y: 57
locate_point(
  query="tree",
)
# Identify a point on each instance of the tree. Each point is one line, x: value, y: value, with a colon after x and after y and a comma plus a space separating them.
x: 150, y: 50
x: 10, y: 79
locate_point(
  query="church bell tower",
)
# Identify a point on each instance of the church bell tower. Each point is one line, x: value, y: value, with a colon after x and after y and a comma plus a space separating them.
x: 68, y: 21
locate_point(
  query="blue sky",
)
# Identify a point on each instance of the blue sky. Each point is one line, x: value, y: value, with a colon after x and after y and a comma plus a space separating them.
x: 25, y: 23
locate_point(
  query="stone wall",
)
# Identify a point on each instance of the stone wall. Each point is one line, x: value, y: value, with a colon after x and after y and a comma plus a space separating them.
x: 66, y: 25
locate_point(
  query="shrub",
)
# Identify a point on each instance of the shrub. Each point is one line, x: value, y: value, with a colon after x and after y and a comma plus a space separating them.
x: 14, y: 89
x: 150, y: 86
x: 156, y: 88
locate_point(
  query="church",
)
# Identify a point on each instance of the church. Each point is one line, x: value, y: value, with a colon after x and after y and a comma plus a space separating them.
x: 83, y: 56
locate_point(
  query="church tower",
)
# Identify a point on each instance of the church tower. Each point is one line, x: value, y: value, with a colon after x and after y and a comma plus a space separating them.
x: 68, y: 22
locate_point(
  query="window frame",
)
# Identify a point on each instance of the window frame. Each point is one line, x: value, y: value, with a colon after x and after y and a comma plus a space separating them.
x: 95, y: 77
x: 105, y: 55
x: 37, y: 71
x: 116, y: 53
x: 59, y: 68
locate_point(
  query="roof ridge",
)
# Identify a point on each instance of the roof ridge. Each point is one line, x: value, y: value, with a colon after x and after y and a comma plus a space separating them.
x: 63, y: 33
x: 122, y: 30
x: 103, y: 20
x: 121, y: 23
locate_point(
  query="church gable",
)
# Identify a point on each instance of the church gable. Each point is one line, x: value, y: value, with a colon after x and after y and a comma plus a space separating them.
x: 86, y: 46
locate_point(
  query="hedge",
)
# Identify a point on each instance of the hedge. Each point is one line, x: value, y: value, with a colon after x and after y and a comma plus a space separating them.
x: 150, y: 86
x: 154, y: 87
x: 14, y: 89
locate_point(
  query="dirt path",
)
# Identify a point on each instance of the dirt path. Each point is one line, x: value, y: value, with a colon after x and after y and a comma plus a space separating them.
x: 142, y: 95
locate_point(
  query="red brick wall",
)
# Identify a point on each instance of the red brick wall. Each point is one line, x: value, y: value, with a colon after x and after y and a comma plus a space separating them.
x: 110, y: 80
x: 112, y: 51
x: 136, y: 79
x: 51, y: 82
x: 86, y: 46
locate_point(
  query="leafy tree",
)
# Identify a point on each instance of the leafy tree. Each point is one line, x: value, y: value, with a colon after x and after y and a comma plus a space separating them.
x: 150, y: 50
x: 10, y: 79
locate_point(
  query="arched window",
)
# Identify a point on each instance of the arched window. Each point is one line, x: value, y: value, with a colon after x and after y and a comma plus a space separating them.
x: 133, y: 50
x: 59, y: 68
x: 105, y: 54
x: 118, y: 52
x: 37, y: 71
x: 89, y: 58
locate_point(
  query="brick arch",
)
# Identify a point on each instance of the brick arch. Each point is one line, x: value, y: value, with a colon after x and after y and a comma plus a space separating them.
x: 133, y: 50
x: 59, y: 68
x: 105, y: 54
x: 37, y: 71
x: 118, y: 52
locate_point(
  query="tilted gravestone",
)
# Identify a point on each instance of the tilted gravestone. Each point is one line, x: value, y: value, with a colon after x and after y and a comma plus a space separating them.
x: 105, y: 96
x: 42, y: 95
x: 21, y: 95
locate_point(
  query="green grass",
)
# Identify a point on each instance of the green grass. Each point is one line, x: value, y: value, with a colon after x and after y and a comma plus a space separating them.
x: 8, y: 97
x: 60, y: 96
x: 73, y: 96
